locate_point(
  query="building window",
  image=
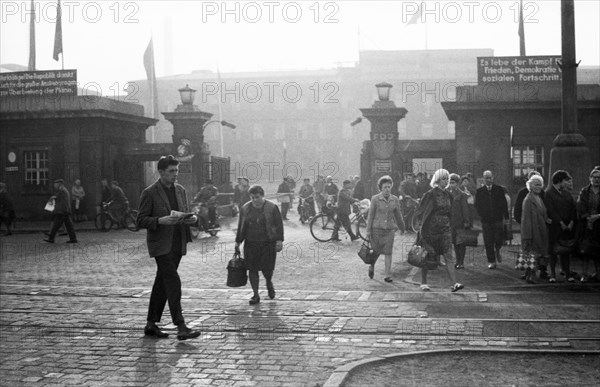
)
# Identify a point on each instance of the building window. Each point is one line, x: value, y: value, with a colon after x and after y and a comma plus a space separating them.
x: 36, y: 167
x: 527, y: 158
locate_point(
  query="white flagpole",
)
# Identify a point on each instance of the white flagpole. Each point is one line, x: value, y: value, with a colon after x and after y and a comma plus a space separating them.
x: 220, y: 115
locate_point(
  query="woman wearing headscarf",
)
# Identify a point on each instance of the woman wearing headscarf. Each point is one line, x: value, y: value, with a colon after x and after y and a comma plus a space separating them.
x: 260, y: 228
x: 534, y: 220
x: 435, y: 211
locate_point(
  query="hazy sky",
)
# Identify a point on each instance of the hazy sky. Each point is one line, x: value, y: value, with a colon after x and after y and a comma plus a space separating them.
x: 105, y: 40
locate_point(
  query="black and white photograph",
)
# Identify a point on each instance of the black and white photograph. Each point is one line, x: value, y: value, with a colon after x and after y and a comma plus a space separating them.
x: 300, y: 193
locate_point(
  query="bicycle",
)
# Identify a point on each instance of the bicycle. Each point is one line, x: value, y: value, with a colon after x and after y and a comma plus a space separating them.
x: 410, y: 206
x: 105, y: 220
x: 305, y: 209
x: 322, y: 226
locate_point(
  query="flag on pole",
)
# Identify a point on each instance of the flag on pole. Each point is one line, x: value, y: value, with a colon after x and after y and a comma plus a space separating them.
x: 222, y: 151
x: 151, y: 75
x: 417, y: 16
x: 521, y: 32
x: 58, y: 44
x: 31, y: 66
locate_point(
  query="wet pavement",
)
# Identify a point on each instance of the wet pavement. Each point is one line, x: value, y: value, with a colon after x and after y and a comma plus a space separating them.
x: 74, y: 314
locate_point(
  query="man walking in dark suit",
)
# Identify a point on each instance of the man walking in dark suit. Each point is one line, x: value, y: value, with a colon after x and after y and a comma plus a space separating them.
x: 167, y: 240
x: 61, y: 213
x: 492, y: 207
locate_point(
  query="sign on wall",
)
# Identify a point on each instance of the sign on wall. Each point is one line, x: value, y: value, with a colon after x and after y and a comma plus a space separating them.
x: 518, y: 69
x: 426, y: 165
x: 54, y: 83
x: 383, y: 165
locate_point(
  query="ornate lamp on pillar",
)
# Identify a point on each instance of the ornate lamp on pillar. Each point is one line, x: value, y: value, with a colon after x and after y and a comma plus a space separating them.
x: 380, y: 155
x: 188, y: 141
x: 570, y: 152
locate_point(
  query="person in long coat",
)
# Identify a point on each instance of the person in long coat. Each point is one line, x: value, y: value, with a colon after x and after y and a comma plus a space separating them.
x: 435, y: 210
x: 460, y: 219
x: 260, y: 228
x: 534, y: 219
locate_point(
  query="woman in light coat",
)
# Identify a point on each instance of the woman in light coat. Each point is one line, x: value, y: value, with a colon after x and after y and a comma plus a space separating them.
x: 385, y: 218
x: 534, y: 218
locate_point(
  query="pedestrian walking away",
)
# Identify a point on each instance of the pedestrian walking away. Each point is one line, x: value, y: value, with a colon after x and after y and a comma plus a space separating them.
x: 167, y: 238
x: 435, y: 210
x: 492, y: 208
x: 61, y: 213
x: 260, y: 229
x: 385, y: 218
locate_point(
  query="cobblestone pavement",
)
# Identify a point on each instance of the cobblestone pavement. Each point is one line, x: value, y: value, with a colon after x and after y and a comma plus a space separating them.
x: 73, y: 314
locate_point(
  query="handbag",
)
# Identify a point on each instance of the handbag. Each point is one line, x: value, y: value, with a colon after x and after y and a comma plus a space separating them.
x: 236, y: 271
x: 418, y: 256
x: 564, y: 246
x: 467, y: 237
x: 525, y: 260
x: 367, y: 254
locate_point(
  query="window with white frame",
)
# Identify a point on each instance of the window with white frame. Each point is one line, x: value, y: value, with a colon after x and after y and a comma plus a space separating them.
x: 36, y: 167
x: 527, y: 158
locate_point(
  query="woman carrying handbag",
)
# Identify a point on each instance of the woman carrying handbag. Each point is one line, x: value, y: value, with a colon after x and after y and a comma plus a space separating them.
x: 260, y: 228
x: 436, y: 211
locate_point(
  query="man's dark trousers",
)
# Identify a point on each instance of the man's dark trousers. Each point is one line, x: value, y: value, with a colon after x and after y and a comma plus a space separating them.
x: 493, y: 234
x: 57, y: 221
x: 167, y: 286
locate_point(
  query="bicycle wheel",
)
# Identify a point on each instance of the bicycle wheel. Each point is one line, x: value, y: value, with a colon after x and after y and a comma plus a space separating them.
x: 321, y: 227
x: 361, y: 228
x: 415, y: 223
x: 130, y: 221
x: 103, y: 222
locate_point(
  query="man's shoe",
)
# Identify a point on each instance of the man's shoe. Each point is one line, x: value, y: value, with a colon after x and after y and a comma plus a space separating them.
x: 388, y: 279
x: 457, y: 286
x: 49, y: 240
x: 336, y: 239
x: 72, y: 241
x: 424, y: 287
x: 63, y: 234
x: 187, y: 333
x: 353, y: 238
x: 492, y: 266
x: 551, y: 279
x: 571, y: 279
x: 254, y: 300
x: 153, y: 330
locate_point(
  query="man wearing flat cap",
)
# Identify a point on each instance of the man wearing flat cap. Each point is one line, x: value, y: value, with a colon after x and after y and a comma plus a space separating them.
x: 61, y: 213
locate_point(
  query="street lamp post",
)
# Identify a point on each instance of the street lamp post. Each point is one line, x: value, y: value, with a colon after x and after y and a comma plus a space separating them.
x: 222, y: 123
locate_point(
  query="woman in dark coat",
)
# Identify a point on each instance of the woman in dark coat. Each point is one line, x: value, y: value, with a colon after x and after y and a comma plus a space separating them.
x: 435, y: 210
x: 460, y: 219
x: 260, y: 227
x: 534, y: 219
